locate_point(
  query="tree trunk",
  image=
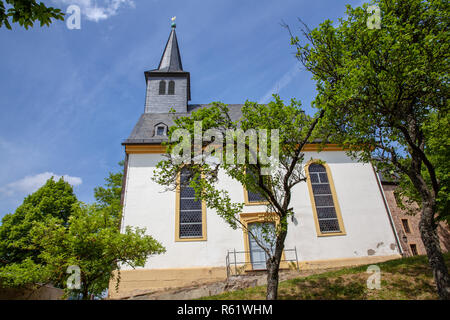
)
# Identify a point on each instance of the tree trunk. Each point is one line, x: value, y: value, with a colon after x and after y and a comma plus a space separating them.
x: 85, y: 292
x: 272, y: 279
x: 436, y: 260
x: 273, y: 266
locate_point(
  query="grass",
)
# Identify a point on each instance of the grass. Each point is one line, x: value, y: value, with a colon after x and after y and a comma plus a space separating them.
x: 402, y: 279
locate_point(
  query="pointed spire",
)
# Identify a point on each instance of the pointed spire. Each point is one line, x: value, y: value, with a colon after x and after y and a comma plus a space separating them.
x: 171, y: 59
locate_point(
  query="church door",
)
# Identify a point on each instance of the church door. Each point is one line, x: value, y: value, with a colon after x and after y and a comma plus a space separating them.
x: 258, y: 256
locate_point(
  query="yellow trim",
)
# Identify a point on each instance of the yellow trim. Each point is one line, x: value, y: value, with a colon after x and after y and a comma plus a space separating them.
x: 344, y: 262
x: 141, y: 281
x: 335, y: 201
x: 255, y: 203
x: 177, y: 218
x: 319, y: 147
x: 145, y: 148
x: 246, y: 219
x: 158, y: 148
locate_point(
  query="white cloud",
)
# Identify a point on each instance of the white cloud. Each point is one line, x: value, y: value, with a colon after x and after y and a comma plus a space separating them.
x: 96, y: 10
x: 29, y: 184
x: 280, y: 84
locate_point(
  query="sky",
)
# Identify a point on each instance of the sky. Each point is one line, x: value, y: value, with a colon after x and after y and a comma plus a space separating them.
x: 69, y: 97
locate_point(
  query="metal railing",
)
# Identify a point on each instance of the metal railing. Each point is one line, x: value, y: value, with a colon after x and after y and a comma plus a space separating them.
x: 237, y: 266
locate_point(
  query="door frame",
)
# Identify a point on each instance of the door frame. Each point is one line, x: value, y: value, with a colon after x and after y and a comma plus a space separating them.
x: 246, y: 219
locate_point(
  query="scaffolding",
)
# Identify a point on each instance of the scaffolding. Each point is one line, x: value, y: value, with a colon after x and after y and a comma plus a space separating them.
x: 237, y: 266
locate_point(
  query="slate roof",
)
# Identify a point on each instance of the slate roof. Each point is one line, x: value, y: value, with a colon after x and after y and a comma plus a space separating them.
x: 170, y: 63
x: 171, y: 58
x: 144, y: 130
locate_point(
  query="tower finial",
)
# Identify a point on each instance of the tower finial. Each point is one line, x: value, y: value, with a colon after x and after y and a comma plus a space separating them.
x: 173, y: 25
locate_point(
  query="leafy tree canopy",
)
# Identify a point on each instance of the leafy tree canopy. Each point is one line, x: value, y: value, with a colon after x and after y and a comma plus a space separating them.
x: 385, y: 91
x: 27, y: 12
x: 54, y: 199
x: 109, y: 196
x: 52, y: 231
x: 93, y: 243
x: 259, y: 172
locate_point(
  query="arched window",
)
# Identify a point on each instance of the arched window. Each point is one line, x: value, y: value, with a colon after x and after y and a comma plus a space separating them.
x: 190, y: 213
x: 324, y: 200
x: 171, y: 87
x: 162, y: 87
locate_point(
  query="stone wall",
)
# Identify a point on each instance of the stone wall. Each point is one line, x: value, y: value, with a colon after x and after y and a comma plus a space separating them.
x: 413, y: 236
x: 45, y: 292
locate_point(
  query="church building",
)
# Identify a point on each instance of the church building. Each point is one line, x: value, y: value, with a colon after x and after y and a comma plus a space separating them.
x: 340, y: 216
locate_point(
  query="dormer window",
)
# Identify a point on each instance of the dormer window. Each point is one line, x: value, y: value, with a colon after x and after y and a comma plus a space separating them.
x: 160, y: 129
x: 171, y: 87
x: 162, y: 87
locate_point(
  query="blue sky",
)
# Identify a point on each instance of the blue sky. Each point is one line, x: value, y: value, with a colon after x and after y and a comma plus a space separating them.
x: 68, y: 98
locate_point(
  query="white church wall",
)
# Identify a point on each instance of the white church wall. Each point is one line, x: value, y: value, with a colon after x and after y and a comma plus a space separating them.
x: 366, y: 222
x: 368, y: 231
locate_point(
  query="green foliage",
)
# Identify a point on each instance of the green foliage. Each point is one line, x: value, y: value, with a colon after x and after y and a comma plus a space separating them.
x: 23, y: 273
x: 294, y: 128
x: 401, y: 279
x: 54, y: 199
x: 94, y: 244
x: 109, y: 196
x: 51, y: 231
x: 385, y: 91
x: 230, y: 149
x: 26, y: 12
x: 438, y: 151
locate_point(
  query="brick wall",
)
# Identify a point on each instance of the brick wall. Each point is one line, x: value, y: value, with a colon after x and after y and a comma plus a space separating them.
x: 412, y: 221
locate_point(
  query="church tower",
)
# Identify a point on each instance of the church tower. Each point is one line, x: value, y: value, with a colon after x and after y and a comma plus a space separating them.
x: 168, y: 86
x: 338, y: 192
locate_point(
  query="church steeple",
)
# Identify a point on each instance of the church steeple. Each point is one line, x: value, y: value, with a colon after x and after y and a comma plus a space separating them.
x: 168, y: 87
x: 171, y: 59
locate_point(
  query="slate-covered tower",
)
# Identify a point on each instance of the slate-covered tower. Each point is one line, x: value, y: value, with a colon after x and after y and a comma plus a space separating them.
x: 168, y: 86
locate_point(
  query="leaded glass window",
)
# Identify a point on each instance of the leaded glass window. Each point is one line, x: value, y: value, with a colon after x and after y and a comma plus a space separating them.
x: 323, y: 199
x: 254, y: 197
x: 162, y: 87
x: 190, y: 210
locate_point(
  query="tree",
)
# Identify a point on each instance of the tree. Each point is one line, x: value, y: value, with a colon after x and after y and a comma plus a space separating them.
x: 20, y: 262
x: 53, y: 199
x: 109, y: 196
x: 294, y: 129
x: 26, y: 12
x: 385, y: 91
x: 438, y: 150
x: 92, y: 244
x: 52, y: 231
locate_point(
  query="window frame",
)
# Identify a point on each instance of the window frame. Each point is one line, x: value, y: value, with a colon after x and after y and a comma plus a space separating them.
x: 162, y: 83
x: 177, y: 217
x: 416, y: 253
x: 252, y: 203
x: 406, y: 225
x: 337, y: 208
x: 160, y: 125
x: 171, y: 82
